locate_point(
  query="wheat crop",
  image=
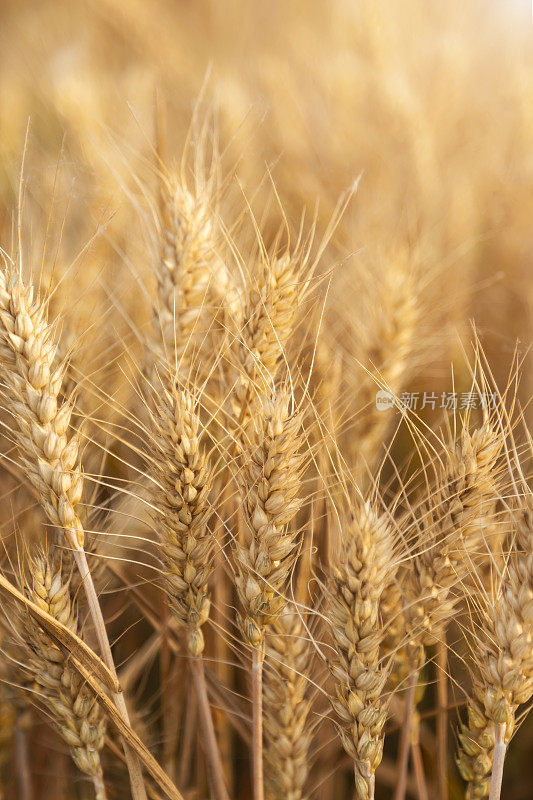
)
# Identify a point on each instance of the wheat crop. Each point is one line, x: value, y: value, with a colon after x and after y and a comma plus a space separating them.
x: 265, y: 400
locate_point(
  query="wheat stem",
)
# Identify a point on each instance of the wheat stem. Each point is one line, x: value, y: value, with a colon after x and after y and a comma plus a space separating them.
x: 134, y: 768
x: 418, y: 769
x: 405, y: 737
x: 257, y: 722
x: 442, y: 720
x: 167, y: 708
x: 370, y: 777
x: 188, y: 737
x: 498, y: 761
x: 222, y: 591
x: 212, y: 751
x: 22, y: 765
x: 99, y: 787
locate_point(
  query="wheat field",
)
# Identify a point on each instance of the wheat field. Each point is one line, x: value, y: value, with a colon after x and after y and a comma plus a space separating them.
x: 266, y: 308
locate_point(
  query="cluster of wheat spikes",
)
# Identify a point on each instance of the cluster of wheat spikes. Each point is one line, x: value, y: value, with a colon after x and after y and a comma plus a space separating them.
x: 225, y: 573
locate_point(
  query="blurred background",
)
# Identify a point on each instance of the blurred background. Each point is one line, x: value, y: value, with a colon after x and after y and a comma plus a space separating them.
x: 429, y: 103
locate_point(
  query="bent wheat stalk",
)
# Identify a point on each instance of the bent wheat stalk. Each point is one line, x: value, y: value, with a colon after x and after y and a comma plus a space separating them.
x: 47, y: 450
x: 74, y: 709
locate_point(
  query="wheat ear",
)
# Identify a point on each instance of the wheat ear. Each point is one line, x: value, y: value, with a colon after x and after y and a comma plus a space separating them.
x: 270, y: 307
x: 388, y: 356
x: 48, y: 453
x: 364, y: 568
x: 181, y: 511
x: 187, y: 266
x: 450, y: 532
x: 47, y: 449
x: 503, y: 668
x: 465, y: 488
x: 287, y: 706
x: 270, y: 480
x: 71, y: 704
x: 271, y: 465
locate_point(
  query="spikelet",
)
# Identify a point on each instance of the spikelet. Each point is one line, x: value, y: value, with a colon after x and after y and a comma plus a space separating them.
x: 363, y: 570
x: 452, y: 529
x: 48, y: 453
x: 71, y: 704
x: 502, y: 663
x: 287, y: 707
x: 270, y: 480
x: 181, y: 510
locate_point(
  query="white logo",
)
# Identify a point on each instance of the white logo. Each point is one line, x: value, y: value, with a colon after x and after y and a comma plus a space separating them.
x: 384, y: 400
